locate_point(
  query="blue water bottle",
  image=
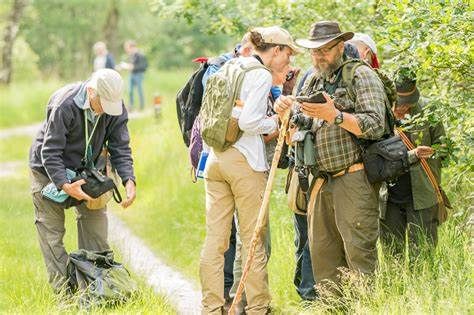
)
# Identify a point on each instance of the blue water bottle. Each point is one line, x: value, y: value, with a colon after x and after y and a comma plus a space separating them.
x: 202, y: 164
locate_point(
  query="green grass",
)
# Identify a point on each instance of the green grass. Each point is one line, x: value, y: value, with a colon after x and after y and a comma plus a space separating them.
x: 25, y: 102
x: 171, y: 221
x: 15, y: 148
x: 169, y: 215
x: 23, y: 282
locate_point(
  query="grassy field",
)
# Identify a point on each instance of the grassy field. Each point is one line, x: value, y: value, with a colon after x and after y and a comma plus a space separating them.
x: 23, y: 282
x: 169, y: 216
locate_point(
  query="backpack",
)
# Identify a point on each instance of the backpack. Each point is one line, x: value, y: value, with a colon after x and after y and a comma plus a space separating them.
x: 385, y: 159
x: 98, y: 279
x: 189, y: 98
x: 348, y: 70
x: 222, y: 92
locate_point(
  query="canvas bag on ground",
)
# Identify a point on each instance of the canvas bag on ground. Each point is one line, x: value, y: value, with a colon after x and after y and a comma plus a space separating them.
x: 98, y: 278
x: 222, y: 91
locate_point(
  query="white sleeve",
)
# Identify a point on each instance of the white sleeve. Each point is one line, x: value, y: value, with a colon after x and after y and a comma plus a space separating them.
x: 255, y: 88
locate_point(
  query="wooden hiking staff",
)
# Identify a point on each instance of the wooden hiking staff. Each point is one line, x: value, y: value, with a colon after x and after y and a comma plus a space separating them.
x: 442, y: 215
x: 262, y: 214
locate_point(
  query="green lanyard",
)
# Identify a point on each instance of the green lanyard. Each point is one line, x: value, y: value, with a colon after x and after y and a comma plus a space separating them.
x: 88, y: 149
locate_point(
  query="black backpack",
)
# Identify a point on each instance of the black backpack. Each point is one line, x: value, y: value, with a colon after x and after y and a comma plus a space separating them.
x: 189, y: 98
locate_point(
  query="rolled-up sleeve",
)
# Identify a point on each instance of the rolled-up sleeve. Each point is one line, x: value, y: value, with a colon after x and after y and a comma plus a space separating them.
x: 370, y: 103
x: 253, y: 120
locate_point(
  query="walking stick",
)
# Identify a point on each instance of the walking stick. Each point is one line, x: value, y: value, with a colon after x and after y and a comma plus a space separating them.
x: 262, y: 214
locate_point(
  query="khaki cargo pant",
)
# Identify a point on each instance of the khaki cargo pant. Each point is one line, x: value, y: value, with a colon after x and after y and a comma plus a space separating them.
x: 49, y: 220
x: 239, y: 266
x: 343, y: 227
x: 232, y: 184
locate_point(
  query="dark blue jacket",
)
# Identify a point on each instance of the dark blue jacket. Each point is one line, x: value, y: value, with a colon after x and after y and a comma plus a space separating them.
x: 139, y: 62
x: 109, y: 61
x: 60, y: 143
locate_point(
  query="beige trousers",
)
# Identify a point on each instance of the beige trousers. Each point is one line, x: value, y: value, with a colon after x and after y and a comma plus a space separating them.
x: 232, y: 184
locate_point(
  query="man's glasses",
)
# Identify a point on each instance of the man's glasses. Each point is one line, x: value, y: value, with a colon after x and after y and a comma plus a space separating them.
x: 322, y: 51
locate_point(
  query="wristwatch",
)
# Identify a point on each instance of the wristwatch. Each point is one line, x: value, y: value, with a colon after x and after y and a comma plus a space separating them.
x: 339, y: 118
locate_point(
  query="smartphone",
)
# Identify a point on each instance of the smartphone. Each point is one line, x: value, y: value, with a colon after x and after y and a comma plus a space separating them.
x: 317, y: 97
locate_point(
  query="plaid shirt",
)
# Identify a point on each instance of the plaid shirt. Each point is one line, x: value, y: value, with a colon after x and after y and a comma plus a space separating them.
x: 335, y: 146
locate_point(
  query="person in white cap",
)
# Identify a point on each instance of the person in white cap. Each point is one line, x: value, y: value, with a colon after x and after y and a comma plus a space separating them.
x: 367, y: 49
x: 60, y: 146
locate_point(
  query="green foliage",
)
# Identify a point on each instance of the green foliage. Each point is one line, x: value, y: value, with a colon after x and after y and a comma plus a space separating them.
x: 62, y: 33
x: 57, y: 37
x: 434, y: 37
x: 178, y: 43
x: 24, y: 103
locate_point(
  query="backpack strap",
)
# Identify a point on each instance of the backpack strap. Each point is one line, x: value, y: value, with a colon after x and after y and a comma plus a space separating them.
x: 240, y: 79
x: 349, y: 68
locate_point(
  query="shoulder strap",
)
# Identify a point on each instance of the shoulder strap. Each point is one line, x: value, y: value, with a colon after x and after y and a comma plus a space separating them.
x: 424, y: 165
x: 240, y: 79
x: 88, y: 149
x: 349, y: 68
x: 348, y: 72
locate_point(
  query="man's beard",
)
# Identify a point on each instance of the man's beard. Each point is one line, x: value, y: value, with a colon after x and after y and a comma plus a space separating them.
x: 327, y: 70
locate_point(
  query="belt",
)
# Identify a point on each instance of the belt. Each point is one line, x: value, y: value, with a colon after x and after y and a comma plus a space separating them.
x: 319, y: 181
x: 351, y: 169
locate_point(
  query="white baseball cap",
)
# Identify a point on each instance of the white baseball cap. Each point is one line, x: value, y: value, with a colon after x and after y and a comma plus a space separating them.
x: 109, y: 86
x: 366, y: 39
x: 279, y: 36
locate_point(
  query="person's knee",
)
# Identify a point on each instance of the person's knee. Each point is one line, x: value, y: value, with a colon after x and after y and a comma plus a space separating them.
x: 214, y: 248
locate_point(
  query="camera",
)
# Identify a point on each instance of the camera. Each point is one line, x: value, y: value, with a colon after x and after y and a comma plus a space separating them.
x: 302, y: 121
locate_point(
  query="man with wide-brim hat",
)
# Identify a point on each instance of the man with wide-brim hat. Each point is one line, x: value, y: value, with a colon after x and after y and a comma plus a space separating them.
x: 342, y: 214
x: 322, y: 33
x: 409, y: 205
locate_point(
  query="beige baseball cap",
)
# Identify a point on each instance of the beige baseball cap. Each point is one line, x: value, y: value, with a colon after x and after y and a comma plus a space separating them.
x: 279, y: 36
x: 109, y: 86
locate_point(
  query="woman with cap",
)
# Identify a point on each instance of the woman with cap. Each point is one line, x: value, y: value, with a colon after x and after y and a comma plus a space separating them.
x: 236, y: 177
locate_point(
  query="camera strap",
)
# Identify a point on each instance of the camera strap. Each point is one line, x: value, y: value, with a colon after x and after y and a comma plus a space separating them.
x: 88, y: 149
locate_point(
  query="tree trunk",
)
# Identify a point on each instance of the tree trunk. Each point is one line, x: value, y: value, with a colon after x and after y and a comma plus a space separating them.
x: 111, y: 28
x: 11, y: 31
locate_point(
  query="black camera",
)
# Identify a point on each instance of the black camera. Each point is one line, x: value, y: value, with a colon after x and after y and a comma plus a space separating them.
x: 302, y: 121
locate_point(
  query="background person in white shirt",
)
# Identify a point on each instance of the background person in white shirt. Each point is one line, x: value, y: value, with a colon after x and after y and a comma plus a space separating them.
x: 236, y: 177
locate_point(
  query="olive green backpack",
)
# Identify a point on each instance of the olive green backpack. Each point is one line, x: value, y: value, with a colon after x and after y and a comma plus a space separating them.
x: 222, y: 91
x: 348, y: 70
